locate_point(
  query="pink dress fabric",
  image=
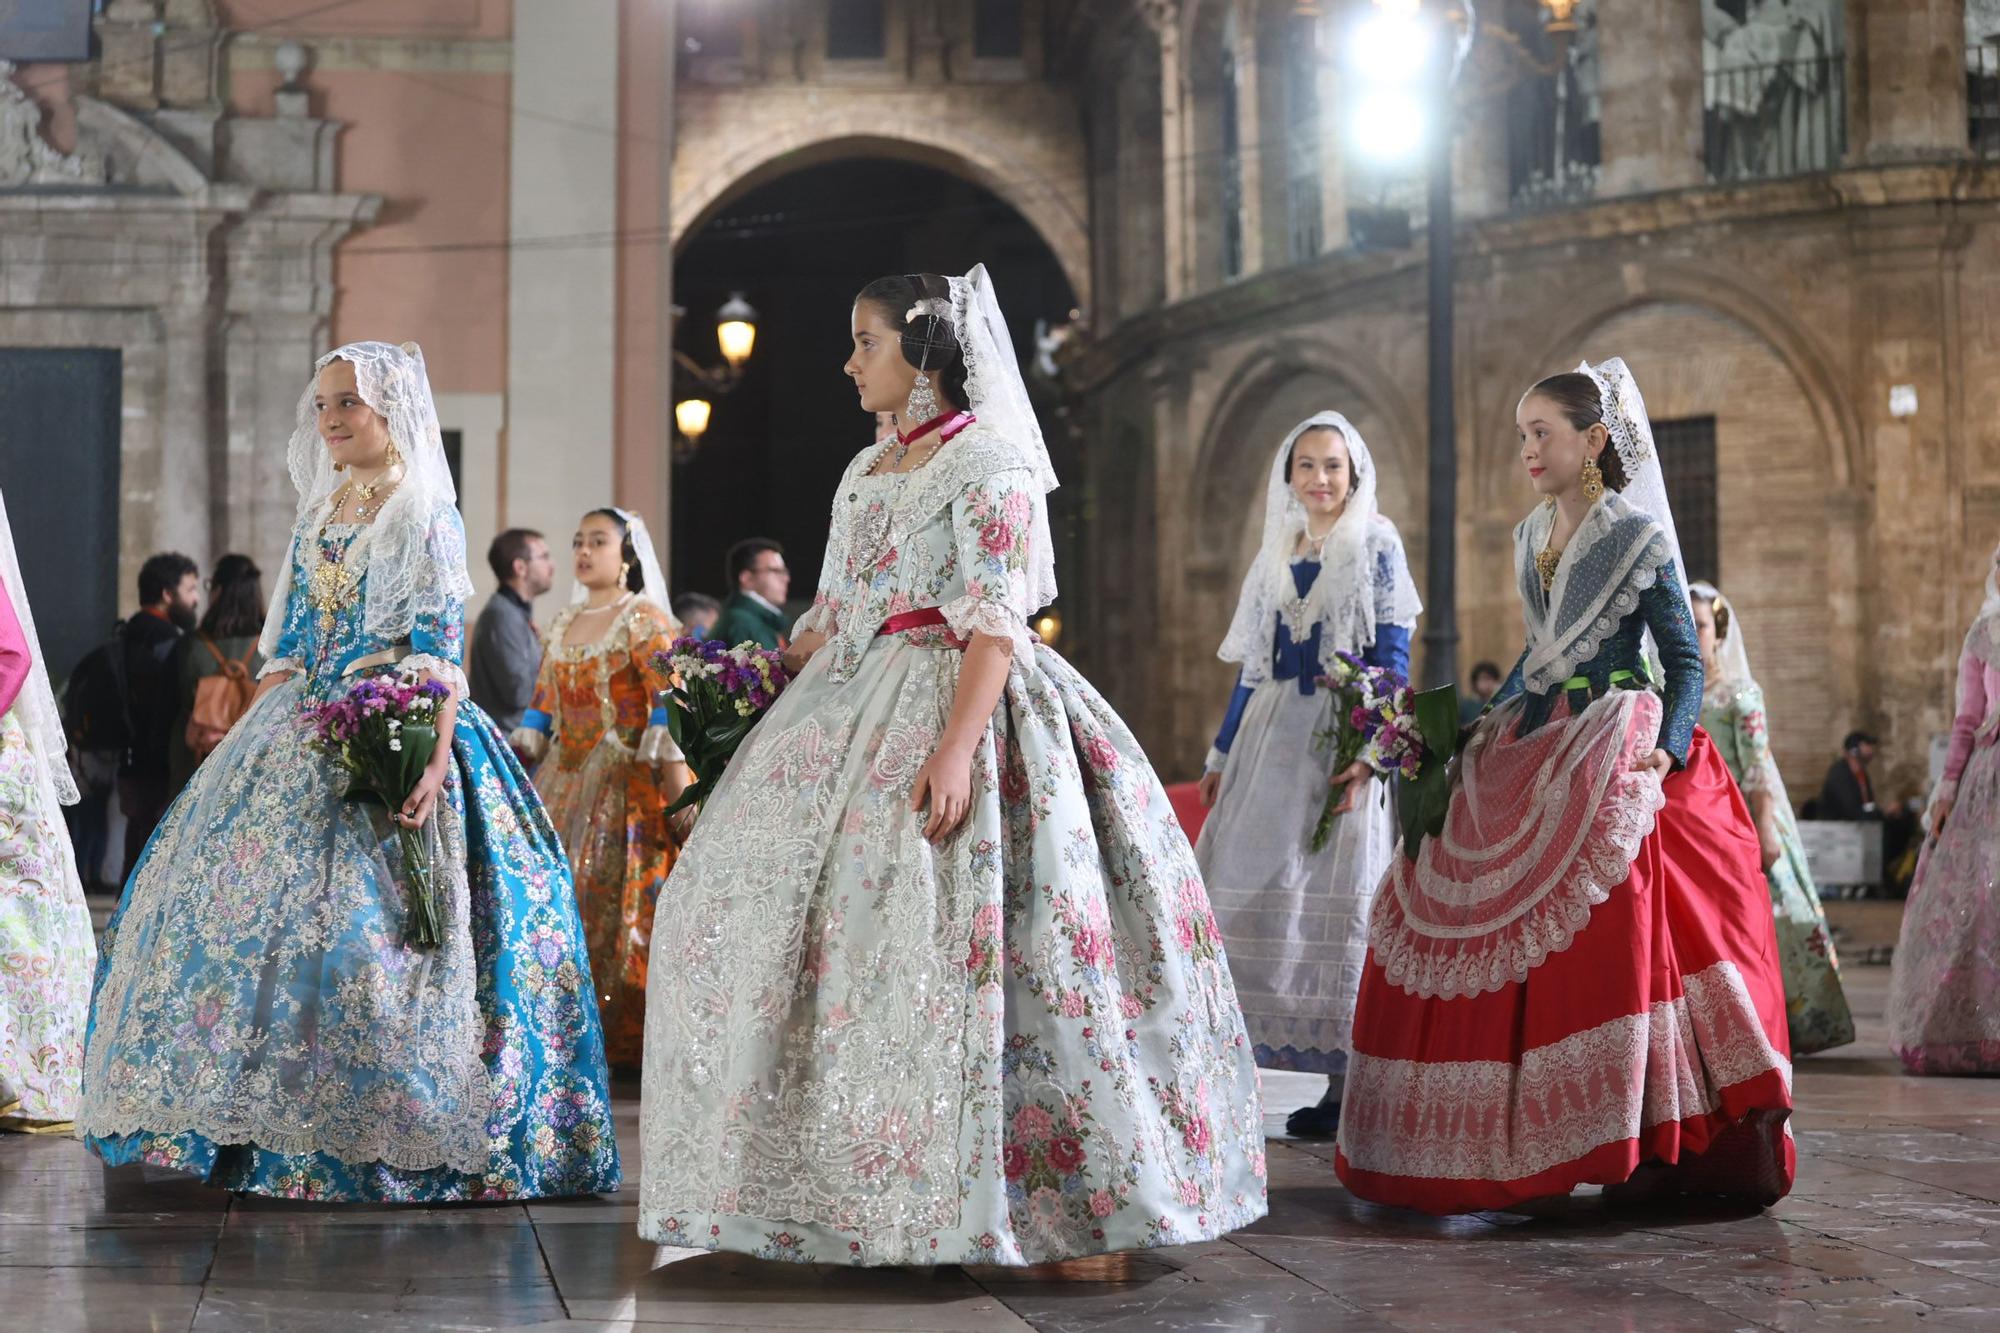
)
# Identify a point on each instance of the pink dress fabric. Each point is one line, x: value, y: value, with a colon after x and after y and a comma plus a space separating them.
x: 1944, y: 997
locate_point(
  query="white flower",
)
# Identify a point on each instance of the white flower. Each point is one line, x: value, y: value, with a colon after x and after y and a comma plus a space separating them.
x: 395, y: 745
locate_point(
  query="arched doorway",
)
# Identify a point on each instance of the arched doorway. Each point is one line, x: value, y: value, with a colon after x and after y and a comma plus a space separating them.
x: 799, y: 247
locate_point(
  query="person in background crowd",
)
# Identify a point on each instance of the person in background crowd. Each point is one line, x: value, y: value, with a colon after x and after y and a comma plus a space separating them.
x: 169, y: 596
x: 760, y: 584
x: 506, y: 650
x: 228, y: 633
x: 1848, y: 792
x: 1485, y: 682
x: 697, y: 612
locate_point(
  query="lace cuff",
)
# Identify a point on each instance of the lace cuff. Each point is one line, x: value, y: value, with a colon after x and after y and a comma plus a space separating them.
x: 969, y: 615
x: 443, y: 668
x: 529, y: 743
x: 279, y: 665
x: 818, y: 619
x: 1216, y: 759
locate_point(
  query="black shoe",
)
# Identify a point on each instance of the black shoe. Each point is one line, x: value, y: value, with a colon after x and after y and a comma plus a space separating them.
x: 1314, y: 1122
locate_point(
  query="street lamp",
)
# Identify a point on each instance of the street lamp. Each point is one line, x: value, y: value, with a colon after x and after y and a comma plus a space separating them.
x: 736, y: 336
x: 1403, y: 56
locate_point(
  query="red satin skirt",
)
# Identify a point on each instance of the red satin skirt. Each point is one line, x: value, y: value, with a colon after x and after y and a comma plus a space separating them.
x: 1657, y: 1036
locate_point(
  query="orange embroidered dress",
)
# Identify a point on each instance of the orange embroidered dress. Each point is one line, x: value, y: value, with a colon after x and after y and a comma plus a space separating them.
x: 591, y: 709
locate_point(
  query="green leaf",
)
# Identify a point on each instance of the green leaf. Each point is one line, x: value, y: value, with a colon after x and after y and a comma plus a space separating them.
x: 1437, y: 719
x: 697, y: 791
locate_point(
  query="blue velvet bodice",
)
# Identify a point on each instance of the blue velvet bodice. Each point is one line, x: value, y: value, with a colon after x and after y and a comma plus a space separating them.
x: 1663, y: 609
x: 1299, y: 660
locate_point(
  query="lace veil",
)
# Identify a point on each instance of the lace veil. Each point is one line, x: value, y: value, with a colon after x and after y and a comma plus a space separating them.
x: 1731, y: 677
x: 35, y: 708
x: 416, y: 565
x: 1364, y: 577
x: 655, y: 589
x: 998, y: 396
x: 1615, y: 554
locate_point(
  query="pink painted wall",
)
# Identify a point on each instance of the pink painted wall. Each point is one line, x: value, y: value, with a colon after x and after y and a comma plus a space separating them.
x: 434, y: 266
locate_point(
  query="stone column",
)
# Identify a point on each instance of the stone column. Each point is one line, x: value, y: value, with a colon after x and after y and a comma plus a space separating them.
x: 1650, y: 58
x: 1252, y: 164
x: 1177, y: 248
x: 187, y: 499
x: 1332, y: 143
x: 562, y: 288
x: 1906, y: 79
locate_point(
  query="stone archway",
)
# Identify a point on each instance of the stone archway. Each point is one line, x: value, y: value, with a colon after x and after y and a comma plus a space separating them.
x: 1005, y: 160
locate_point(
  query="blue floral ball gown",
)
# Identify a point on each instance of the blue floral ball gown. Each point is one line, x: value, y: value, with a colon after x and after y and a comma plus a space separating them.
x: 258, y: 1019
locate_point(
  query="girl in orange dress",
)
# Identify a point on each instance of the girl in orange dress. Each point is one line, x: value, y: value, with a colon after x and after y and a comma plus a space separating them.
x: 608, y: 769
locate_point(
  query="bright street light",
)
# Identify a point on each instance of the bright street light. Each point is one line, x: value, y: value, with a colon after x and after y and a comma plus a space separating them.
x: 1389, y: 126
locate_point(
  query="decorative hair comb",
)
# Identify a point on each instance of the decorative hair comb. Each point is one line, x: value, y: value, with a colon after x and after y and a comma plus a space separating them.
x: 934, y: 306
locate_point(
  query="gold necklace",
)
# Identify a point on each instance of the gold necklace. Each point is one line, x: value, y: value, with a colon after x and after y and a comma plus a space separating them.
x: 1548, y: 560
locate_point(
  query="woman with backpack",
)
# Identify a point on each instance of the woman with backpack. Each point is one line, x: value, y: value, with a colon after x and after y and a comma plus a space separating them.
x: 215, y: 670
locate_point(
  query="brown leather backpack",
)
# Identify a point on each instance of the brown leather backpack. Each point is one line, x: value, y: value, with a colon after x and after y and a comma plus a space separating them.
x: 219, y: 700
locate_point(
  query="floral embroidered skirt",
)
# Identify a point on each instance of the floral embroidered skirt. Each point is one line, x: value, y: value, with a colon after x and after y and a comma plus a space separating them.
x: 611, y: 814
x: 1019, y: 1046
x: 1944, y: 994
x: 1815, y: 1005
x: 1580, y: 977
x: 46, y: 949
x: 258, y: 1020
x: 1295, y: 920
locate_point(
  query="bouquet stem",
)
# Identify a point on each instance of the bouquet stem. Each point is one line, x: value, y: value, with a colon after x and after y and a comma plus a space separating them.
x: 423, y: 930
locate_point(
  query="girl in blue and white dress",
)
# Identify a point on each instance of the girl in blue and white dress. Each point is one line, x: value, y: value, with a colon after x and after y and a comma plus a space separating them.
x: 1329, y: 578
x: 259, y: 1019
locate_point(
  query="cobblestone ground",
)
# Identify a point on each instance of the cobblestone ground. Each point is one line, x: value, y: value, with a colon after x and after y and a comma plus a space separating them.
x: 1895, y: 1224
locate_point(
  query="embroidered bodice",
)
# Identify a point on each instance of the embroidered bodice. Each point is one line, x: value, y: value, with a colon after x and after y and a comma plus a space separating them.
x: 1297, y: 661
x: 1662, y: 608
x: 322, y: 632
x: 608, y: 686
x: 955, y: 534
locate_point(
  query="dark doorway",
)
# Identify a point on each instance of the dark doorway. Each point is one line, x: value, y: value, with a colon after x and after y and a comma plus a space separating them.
x: 59, y: 465
x: 799, y: 248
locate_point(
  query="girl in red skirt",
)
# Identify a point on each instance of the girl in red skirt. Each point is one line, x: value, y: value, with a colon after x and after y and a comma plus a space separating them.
x: 1578, y: 978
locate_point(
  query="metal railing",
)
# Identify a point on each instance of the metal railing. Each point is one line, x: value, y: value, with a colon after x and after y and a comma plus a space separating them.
x: 1767, y: 121
x: 1552, y: 141
x: 1982, y: 99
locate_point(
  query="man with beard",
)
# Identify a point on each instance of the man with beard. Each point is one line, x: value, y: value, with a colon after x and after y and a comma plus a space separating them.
x: 169, y: 597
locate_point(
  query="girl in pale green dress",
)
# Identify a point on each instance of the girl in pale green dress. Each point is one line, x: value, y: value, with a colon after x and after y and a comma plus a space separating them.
x: 1733, y: 714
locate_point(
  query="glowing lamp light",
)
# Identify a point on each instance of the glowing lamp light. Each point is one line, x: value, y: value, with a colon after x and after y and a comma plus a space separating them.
x: 1049, y: 625
x: 1390, y: 125
x: 1562, y: 15
x: 736, y: 330
x: 691, y: 415
x: 1392, y: 45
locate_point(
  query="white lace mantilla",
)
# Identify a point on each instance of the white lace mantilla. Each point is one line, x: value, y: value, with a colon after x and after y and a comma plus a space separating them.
x: 1540, y: 830
x: 1508, y: 1120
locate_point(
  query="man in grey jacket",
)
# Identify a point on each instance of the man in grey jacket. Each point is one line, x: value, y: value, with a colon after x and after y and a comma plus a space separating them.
x: 506, y: 650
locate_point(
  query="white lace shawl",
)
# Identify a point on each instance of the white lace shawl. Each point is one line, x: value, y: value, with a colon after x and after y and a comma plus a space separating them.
x: 1364, y: 577
x: 1614, y: 556
x: 416, y: 564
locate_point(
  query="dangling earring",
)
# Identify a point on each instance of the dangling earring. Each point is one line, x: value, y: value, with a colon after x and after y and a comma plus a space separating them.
x: 625, y: 575
x: 394, y: 458
x: 923, y: 402
x: 1593, y: 481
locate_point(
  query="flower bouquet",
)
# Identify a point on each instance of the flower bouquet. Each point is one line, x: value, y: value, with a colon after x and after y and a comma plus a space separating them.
x: 718, y: 695
x: 1375, y: 717
x: 384, y: 732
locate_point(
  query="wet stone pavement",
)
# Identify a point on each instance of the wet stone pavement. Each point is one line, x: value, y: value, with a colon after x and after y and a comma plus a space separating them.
x: 1895, y: 1224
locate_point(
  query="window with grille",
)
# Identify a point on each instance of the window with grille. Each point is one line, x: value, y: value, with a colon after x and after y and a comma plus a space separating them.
x: 1687, y: 458
x: 855, y: 30
x: 996, y: 29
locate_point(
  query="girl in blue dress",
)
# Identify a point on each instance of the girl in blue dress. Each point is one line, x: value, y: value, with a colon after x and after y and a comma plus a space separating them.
x: 258, y: 1018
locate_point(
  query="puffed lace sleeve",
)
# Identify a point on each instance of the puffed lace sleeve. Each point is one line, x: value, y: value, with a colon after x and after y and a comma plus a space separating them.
x: 438, y: 638
x: 992, y: 523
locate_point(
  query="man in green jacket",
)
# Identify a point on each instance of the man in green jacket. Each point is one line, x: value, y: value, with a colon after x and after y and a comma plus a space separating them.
x: 755, y: 610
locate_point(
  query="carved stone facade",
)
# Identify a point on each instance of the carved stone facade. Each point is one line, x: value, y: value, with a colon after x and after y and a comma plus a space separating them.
x: 200, y: 245
x: 1855, y: 540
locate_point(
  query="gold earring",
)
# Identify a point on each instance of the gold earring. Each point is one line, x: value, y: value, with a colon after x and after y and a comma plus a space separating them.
x: 394, y: 457
x: 1593, y: 481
